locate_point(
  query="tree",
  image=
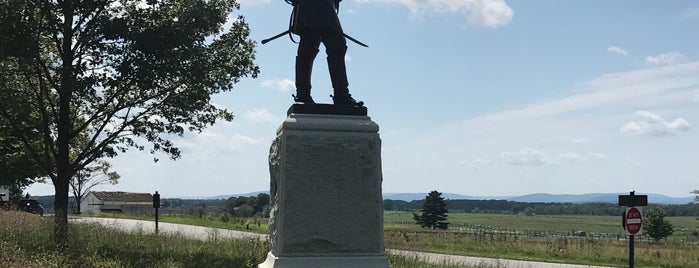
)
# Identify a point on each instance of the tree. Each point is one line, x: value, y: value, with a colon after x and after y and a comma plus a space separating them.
x: 262, y: 200
x: 124, y: 73
x: 434, y: 212
x: 84, y: 180
x: 257, y: 204
x: 17, y: 167
x: 244, y: 210
x: 655, y: 224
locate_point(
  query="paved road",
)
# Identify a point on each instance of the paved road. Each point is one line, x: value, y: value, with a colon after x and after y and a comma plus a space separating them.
x: 195, y: 232
x: 205, y: 233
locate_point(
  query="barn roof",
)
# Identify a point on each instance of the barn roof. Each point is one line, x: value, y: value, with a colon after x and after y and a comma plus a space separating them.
x: 124, y: 196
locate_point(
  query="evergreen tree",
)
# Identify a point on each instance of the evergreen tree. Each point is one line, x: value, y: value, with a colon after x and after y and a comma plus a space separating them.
x: 434, y: 212
x: 655, y: 224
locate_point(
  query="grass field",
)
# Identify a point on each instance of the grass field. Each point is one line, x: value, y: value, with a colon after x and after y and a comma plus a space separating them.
x: 684, y: 226
x: 598, y: 224
x: 676, y: 252
x: 26, y: 241
x: 680, y: 250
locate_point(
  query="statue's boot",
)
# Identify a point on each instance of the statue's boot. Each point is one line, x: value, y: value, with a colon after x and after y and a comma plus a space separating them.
x: 338, y: 77
x: 304, y: 67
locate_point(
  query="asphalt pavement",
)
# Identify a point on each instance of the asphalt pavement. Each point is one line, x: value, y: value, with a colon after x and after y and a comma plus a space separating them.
x: 206, y: 233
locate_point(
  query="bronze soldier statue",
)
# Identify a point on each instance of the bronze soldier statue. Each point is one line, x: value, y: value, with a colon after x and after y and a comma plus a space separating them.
x: 316, y: 21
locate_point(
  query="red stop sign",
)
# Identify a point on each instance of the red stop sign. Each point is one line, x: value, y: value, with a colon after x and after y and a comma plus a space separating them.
x: 634, y: 221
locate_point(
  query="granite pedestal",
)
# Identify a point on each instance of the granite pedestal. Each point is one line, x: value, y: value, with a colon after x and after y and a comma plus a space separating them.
x: 327, y: 211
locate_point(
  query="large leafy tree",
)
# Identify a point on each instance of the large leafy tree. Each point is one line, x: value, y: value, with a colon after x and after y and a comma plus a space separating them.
x: 434, y: 212
x: 655, y: 225
x: 18, y: 168
x: 124, y: 73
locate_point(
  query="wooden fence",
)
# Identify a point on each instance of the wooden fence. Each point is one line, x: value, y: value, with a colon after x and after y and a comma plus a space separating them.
x: 515, y: 233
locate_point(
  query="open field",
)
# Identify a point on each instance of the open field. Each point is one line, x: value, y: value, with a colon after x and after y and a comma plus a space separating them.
x: 515, y: 243
x: 592, y: 225
x: 610, y: 225
x: 26, y: 241
x: 564, y: 250
x: 508, y: 236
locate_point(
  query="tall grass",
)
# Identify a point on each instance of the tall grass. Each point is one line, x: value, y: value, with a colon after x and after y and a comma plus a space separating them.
x: 26, y: 241
x: 565, y: 250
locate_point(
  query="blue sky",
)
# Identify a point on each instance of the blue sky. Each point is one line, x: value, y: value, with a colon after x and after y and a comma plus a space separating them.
x: 474, y: 97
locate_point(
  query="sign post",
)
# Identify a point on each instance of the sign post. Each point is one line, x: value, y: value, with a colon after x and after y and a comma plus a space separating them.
x: 156, y: 206
x: 632, y: 220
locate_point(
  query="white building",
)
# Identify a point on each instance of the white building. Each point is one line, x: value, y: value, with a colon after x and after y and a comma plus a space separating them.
x: 120, y: 202
x: 4, y: 193
x: 5, y: 198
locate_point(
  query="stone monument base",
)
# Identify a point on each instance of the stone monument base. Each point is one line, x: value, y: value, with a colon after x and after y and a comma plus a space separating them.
x: 325, y: 191
x: 272, y: 261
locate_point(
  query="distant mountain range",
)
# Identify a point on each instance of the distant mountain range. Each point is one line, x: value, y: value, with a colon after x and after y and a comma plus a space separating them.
x: 225, y: 196
x: 530, y: 198
x: 549, y: 198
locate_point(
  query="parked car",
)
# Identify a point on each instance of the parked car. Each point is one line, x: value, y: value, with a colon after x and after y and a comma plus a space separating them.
x: 31, y: 206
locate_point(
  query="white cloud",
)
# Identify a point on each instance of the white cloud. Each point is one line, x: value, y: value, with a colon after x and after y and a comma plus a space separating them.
x: 566, y: 139
x: 654, y: 125
x: 597, y: 155
x: 618, y: 50
x: 579, y: 141
x: 475, y: 163
x: 667, y: 58
x: 488, y: 13
x: 572, y: 157
x: 578, y: 157
x: 261, y: 115
x: 610, y: 89
x: 526, y: 157
x: 283, y: 85
x: 633, y: 162
x: 532, y: 157
x: 212, y: 143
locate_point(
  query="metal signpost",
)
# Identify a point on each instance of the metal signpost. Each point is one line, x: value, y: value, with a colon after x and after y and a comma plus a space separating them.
x: 156, y: 206
x: 632, y: 220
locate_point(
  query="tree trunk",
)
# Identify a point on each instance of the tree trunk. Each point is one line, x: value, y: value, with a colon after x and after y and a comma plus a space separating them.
x: 60, y: 204
x: 78, y: 199
x: 65, y: 128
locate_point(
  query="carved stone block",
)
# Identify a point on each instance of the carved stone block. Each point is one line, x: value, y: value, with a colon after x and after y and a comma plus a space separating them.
x: 326, y: 193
